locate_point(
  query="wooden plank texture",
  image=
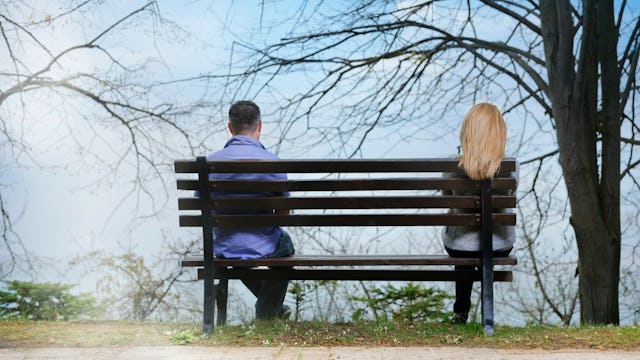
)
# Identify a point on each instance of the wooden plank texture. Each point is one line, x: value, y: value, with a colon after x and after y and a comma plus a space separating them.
x: 294, y: 185
x: 332, y: 166
x: 347, y: 220
x: 197, y: 260
x: 356, y: 275
x: 353, y: 202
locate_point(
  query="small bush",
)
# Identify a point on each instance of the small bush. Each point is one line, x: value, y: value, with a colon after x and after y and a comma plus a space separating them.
x: 43, y: 301
x: 409, y: 303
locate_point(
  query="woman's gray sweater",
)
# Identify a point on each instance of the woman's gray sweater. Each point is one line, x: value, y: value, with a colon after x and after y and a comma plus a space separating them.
x: 467, y: 238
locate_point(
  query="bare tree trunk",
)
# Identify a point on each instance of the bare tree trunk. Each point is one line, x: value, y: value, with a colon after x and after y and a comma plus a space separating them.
x: 573, y: 97
x: 609, y: 193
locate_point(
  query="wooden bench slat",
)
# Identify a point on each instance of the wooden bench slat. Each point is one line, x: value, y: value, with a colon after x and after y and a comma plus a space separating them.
x: 359, y: 202
x: 356, y: 275
x: 347, y: 220
x: 332, y: 165
x: 507, y: 183
x: 347, y: 260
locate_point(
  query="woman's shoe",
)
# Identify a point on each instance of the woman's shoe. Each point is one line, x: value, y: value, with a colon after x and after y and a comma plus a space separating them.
x: 459, y: 318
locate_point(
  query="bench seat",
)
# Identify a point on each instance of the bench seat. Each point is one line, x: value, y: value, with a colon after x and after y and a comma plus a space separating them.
x: 197, y: 260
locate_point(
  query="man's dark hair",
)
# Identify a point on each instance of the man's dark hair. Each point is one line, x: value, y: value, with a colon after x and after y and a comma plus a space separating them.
x: 244, y: 116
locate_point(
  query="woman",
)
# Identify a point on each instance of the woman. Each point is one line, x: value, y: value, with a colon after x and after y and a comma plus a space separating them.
x: 483, y: 138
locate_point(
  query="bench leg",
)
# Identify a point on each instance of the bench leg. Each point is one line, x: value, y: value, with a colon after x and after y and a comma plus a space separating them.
x: 487, y: 299
x: 222, y: 293
x: 486, y: 247
x: 209, y: 304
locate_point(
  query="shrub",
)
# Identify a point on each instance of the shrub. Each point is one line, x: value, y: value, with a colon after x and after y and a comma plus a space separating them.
x: 43, y: 301
x: 409, y: 303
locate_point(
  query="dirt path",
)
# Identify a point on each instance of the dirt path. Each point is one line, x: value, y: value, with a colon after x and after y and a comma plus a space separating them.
x: 311, y: 353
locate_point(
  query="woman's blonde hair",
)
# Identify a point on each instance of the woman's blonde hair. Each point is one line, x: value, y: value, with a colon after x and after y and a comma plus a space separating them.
x: 483, y: 137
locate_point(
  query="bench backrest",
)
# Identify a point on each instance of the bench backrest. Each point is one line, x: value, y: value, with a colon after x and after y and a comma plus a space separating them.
x: 362, y: 185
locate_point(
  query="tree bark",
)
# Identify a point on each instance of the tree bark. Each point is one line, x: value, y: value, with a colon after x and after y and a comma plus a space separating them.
x: 609, y: 193
x: 594, y: 206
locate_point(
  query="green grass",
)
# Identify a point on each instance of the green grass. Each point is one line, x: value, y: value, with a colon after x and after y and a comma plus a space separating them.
x: 314, y: 333
x: 371, y: 333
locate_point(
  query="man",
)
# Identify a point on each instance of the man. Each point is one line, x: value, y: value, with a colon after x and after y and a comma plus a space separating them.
x: 245, y: 125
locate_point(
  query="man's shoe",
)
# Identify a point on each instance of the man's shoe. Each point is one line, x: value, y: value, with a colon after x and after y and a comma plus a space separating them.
x: 284, y: 313
x: 459, y: 318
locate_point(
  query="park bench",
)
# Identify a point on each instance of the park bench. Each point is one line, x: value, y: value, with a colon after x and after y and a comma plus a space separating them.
x: 354, y: 193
